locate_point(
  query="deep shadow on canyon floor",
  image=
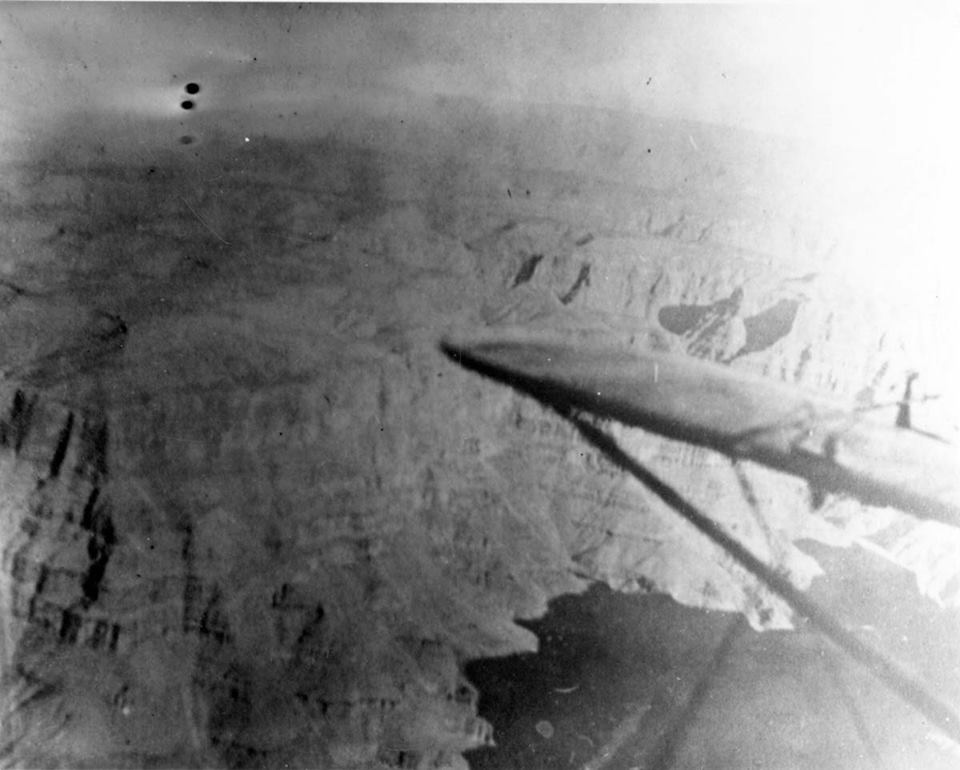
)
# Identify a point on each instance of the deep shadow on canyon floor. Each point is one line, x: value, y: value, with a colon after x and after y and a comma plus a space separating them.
x: 627, y: 681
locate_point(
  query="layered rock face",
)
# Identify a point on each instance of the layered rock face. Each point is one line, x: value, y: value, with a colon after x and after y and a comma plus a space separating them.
x: 251, y: 516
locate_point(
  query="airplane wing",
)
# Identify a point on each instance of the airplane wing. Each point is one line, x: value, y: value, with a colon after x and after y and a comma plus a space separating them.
x: 778, y: 425
x: 745, y: 417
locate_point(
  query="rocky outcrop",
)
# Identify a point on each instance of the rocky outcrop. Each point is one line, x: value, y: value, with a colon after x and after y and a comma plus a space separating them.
x: 253, y: 517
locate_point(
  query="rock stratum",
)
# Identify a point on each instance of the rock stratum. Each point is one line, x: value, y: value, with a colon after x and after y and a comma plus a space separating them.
x: 251, y: 515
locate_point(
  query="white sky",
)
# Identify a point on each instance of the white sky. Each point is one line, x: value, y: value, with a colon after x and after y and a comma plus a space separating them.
x: 874, y: 86
x: 812, y: 70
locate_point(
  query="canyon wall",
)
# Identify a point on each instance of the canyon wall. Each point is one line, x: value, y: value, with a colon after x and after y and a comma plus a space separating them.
x: 251, y: 515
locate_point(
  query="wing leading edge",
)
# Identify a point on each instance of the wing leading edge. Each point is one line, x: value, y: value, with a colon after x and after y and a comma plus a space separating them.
x: 781, y: 426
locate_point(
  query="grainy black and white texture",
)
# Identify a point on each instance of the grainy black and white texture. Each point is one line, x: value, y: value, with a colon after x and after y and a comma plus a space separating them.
x: 250, y: 515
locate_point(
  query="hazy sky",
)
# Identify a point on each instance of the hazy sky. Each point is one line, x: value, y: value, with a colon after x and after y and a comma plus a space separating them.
x: 876, y: 85
x: 837, y: 72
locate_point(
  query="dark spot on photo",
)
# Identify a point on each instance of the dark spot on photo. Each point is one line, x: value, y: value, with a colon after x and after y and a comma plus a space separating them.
x: 686, y: 319
x: 769, y: 326
x: 583, y: 279
x: 525, y: 273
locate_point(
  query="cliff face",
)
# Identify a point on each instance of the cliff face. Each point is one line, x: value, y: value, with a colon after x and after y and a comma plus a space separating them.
x: 252, y: 516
